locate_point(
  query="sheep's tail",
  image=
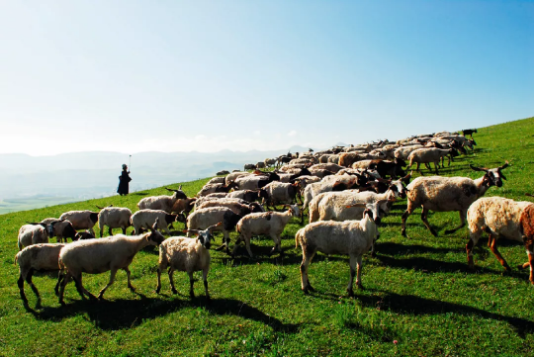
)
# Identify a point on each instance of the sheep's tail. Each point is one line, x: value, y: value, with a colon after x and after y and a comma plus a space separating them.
x: 16, y: 258
x: 298, y: 238
x: 60, y: 263
x: 313, y: 211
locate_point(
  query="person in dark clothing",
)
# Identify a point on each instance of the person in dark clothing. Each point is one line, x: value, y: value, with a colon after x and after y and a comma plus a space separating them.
x: 124, y: 180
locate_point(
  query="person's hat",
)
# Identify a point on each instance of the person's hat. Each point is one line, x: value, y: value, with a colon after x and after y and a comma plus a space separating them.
x: 124, y: 166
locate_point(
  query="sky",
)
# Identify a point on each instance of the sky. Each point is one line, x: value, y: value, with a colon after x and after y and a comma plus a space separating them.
x: 133, y: 76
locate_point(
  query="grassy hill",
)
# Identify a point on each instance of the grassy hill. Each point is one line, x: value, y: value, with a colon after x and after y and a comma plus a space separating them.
x: 420, y: 297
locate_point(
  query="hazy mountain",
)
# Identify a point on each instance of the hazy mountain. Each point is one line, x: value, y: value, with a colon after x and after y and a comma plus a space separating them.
x: 84, y: 175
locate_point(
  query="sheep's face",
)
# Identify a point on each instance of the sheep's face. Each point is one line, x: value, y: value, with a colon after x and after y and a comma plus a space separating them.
x: 495, y: 177
x: 205, y: 237
x: 155, y: 237
x: 398, y: 189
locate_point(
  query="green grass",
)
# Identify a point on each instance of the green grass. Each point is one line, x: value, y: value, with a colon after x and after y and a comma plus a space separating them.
x: 419, y: 292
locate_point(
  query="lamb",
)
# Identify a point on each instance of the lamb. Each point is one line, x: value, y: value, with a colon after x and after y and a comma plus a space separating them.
x: 96, y: 256
x: 81, y: 219
x: 33, y: 234
x: 146, y: 217
x: 37, y: 257
x: 499, y: 217
x: 164, y: 203
x: 268, y: 223
x: 443, y: 194
x: 61, y: 229
x: 207, y: 217
x: 277, y: 193
x: 186, y: 254
x: 114, y: 217
x: 352, y: 238
x: 428, y: 155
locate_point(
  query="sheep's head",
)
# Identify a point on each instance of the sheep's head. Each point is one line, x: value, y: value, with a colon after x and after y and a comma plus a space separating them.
x: 255, y: 207
x: 206, y: 235
x: 295, y: 211
x: 178, y: 194
x: 494, y: 176
x: 155, y: 237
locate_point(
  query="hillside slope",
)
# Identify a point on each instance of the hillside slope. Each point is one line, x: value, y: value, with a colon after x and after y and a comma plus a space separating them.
x: 420, y: 297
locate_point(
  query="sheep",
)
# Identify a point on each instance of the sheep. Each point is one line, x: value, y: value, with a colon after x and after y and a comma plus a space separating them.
x: 81, y: 219
x: 146, y: 217
x: 37, y: 257
x: 443, y: 194
x: 84, y: 235
x: 255, y: 182
x: 334, y: 205
x: 269, y: 162
x: 235, y: 175
x: 352, y: 238
x: 260, y: 165
x: 186, y: 254
x: 330, y: 184
x: 206, y: 217
x: 33, y: 234
x: 183, y: 205
x: 247, y: 195
x: 223, y: 172
x: 114, y: 217
x: 428, y: 155
x: 469, y: 132
x: 268, y: 223
x: 499, y: 217
x: 249, y: 167
x: 96, y: 256
x: 277, y: 193
x: 62, y: 229
x: 236, y: 206
x: 216, y: 180
x: 527, y: 226
x: 329, y: 166
x: 217, y: 187
x: 164, y: 203
x: 404, y: 151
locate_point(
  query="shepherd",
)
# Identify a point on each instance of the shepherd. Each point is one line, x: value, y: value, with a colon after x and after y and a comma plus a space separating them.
x: 124, y: 180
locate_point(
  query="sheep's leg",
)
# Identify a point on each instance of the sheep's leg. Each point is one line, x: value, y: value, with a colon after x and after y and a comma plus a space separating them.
x: 192, y: 283
x: 85, y: 291
x: 124, y: 230
x: 205, y: 278
x: 436, y: 165
x: 408, y: 212
x: 111, y: 280
x: 60, y: 277
x: 247, y: 245
x: 92, y: 231
x: 128, y: 273
x: 424, y: 213
x: 307, y: 256
x: 463, y: 214
x: 158, y: 274
x: 473, y: 240
x: 101, y: 231
x: 20, y: 283
x: 62, y: 288
x: 34, y: 288
x: 276, y: 241
x: 110, y: 231
x: 498, y: 255
x: 352, y: 265
x: 531, y: 261
x: 171, y: 280
x: 79, y: 286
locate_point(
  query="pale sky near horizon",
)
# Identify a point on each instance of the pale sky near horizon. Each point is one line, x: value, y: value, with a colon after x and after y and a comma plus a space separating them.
x: 133, y: 76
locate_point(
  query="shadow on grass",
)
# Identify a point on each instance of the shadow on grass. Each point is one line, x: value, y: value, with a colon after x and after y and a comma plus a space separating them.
x: 138, y: 194
x: 415, y: 305
x: 123, y: 314
x: 390, y: 248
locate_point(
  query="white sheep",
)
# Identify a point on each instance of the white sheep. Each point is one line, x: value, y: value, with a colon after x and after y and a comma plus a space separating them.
x: 81, y: 219
x: 164, y: 203
x: 114, y: 217
x: 271, y: 224
x: 186, y: 254
x: 404, y: 151
x: 37, y: 257
x: 207, y: 217
x: 499, y: 217
x: 216, y: 180
x: 95, y: 256
x: 33, y: 234
x: 236, y: 205
x: 146, y: 217
x: 277, y: 193
x: 444, y: 194
x: 427, y: 156
x: 352, y: 238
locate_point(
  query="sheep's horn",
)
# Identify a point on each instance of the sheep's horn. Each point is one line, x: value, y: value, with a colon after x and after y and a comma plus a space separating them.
x: 99, y: 207
x: 504, y: 166
x: 478, y: 168
x: 214, y: 226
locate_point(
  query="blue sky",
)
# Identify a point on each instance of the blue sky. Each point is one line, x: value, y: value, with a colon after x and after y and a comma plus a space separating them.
x: 134, y: 76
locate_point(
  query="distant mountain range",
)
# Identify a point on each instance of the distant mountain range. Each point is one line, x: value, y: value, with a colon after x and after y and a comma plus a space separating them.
x: 84, y: 175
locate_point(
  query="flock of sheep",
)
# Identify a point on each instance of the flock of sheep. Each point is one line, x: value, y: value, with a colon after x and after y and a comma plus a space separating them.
x: 346, y: 191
